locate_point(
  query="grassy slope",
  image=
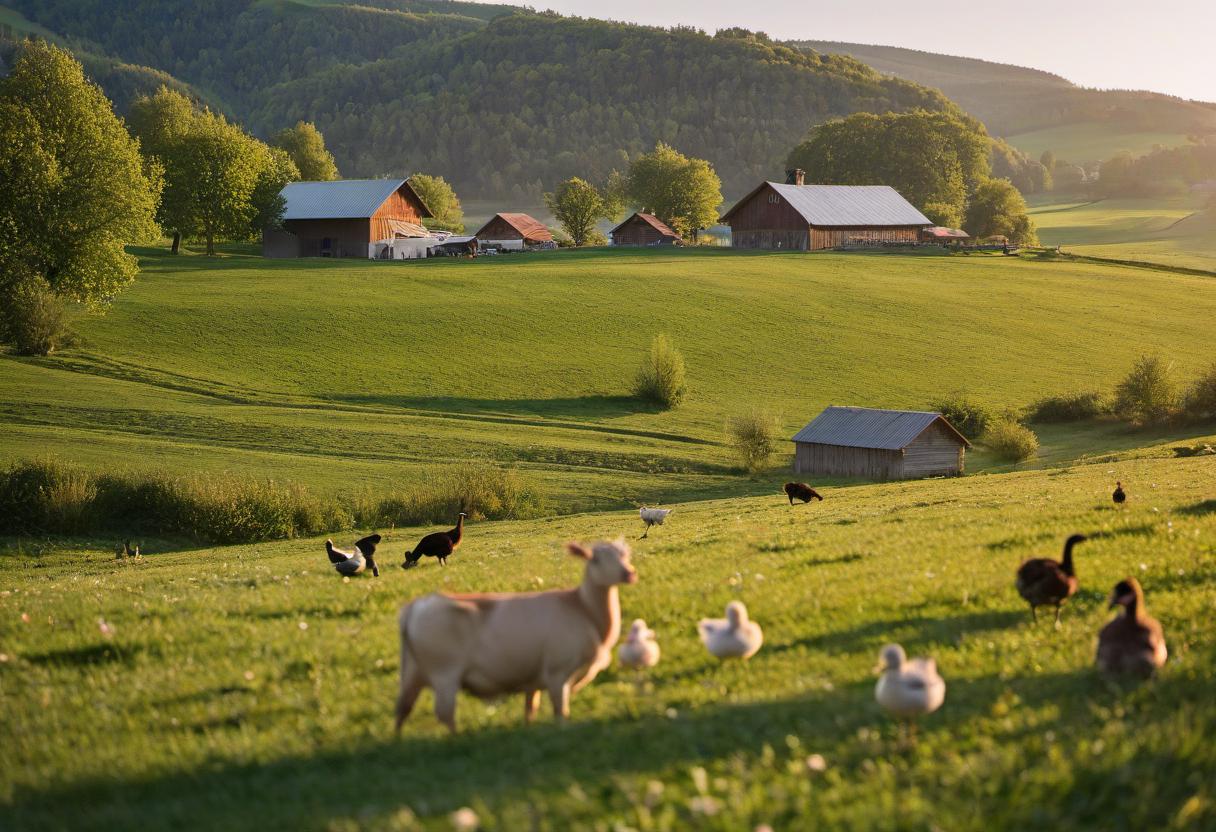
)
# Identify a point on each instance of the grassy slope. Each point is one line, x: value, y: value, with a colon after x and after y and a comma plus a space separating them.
x: 1091, y: 141
x: 1174, y: 232
x: 214, y: 707
x: 350, y: 375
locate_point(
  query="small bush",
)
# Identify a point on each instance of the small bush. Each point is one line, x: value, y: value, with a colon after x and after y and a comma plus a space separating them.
x: 661, y: 376
x: 1200, y: 399
x: 751, y: 437
x: 484, y: 492
x: 1071, y: 407
x: 969, y: 418
x: 1147, y: 395
x: 37, y: 322
x: 1009, y: 440
x: 45, y: 495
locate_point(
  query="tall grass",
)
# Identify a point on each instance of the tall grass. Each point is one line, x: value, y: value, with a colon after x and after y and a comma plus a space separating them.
x: 751, y: 436
x: 660, y: 379
x: 51, y: 497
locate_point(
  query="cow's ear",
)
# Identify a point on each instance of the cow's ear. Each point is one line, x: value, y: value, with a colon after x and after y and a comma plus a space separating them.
x: 578, y: 550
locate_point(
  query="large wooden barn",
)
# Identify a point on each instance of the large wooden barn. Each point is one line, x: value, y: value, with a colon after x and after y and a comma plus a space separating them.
x: 373, y: 218
x: 800, y: 217
x: 879, y: 445
x: 641, y: 229
x: 513, y: 232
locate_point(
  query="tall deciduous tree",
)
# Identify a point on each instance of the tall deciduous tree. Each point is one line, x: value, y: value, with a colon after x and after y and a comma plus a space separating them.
x: 683, y: 192
x: 74, y: 189
x: 997, y: 208
x: 306, y: 147
x: 441, y: 199
x: 578, y: 206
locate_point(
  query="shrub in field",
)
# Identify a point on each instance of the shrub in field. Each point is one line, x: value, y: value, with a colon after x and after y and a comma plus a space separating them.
x: 1147, y: 394
x: 1071, y: 407
x: 1009, y: 440
x: 36, y: 322
x: 968, y: 417
x: 751, y: 437
x: 45, y: 495
x: 1200, y: 399
x: 660, y: 379
x: 484, y: 492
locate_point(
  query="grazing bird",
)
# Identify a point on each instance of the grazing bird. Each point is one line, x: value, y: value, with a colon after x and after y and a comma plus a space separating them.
x: 1133, y: 642
x: 639, y: 649
x: 733, y: 637
x: 353, y: 563
x: 906, y: 688
x: 801, y: 491
x: 1046, y: 582
x: 653, y: 517
x: 437, y: 545
x: 1120, y: 496
x: 124, y: 550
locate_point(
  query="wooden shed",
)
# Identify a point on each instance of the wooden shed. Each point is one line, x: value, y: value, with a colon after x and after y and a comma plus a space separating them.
x: 799, y: 217
x: 513, y: 232
x: 879, y: 445
x: 642, y: 229
x: 349, y: 218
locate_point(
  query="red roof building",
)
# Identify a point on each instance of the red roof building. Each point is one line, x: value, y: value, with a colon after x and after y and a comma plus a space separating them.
x: 513, y: 231
x: 644, y: 230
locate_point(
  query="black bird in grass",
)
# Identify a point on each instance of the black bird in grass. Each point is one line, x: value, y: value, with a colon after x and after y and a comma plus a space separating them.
x: 436, y: 545
x: 1120, y: 496
x: 801, y: 491
x: 352, y: 563
x: 1045, y: 582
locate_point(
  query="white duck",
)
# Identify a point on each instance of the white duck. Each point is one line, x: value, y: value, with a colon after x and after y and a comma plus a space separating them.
x: 653, y: 517
x: 639, y: 649
x: 908, y: 688
x: 352, y: 563
x: 733, y: 637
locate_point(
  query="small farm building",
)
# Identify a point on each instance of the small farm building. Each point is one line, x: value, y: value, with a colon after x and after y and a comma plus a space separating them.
x: 373, y: 218
x: 800, y: 217
x: 879, y: 445
x: 642, y: 229
x: 513, y: 232
x: 941, y: 234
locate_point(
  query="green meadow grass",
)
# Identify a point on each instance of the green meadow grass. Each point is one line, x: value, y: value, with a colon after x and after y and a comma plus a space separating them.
x: 251, y: 688
x: 350, y: 376
x: 1176, y: 232
x: 1091, y: 142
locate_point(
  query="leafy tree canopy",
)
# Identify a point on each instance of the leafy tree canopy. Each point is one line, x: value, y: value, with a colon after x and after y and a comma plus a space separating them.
x: 440, y: 197
x: 997, y: 208
x: 578, y: 206
x: 682, y: 192
x: 306, y: 147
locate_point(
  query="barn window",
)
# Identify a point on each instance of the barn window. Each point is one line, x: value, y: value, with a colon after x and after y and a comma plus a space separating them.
x: 775, y: 199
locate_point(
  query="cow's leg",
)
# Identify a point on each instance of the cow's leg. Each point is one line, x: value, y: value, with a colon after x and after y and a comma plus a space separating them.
x: 445, y: 702
x: 531, y: 703
x: 559, y: 695
x: 411, y: 686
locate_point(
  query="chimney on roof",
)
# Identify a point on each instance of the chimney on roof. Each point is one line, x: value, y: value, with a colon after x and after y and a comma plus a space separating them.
x: 795, y: 176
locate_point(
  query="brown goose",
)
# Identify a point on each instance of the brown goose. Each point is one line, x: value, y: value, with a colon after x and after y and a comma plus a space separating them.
x: 1133, y: 642
x: 1046, y: 582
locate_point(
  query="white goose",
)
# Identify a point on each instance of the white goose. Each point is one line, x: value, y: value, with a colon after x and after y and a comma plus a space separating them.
x: 733, y: 637
x: 653, y: 517
x: 908, y: 688
x: 352, y: 563
x: 639, y: 649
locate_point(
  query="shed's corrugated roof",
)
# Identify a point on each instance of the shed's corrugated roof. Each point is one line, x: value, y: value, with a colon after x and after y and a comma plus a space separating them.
x: 340, y: 199
x: 527, y: 225
x: 844, y: 205
x: 651, y: 220
x: 863, y: 427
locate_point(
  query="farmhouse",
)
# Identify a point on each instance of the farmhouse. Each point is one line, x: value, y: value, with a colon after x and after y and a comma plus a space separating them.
x: 373, y: 218
x: 513, y: 232
x: 879, y: 445
x: 942, y: 235
x: 801, y: 217
x: 644, y: 230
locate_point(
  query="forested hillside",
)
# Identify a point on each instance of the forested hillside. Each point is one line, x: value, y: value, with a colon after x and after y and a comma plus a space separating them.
x: 1013, y: 100
x: 502, y: 106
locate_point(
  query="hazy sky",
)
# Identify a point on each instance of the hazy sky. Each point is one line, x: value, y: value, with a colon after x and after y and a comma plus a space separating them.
x: 1167, y: 45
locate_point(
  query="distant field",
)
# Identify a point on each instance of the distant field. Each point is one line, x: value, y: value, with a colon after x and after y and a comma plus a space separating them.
x: 351, y: 376
x: 1172, y: 232
x: 248, y: 688
x: 1091, y: 142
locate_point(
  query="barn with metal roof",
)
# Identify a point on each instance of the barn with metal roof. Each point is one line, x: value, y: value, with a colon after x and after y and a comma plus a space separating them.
x: 879, y: 444
x: 800, y: 217
x: 375, y: 218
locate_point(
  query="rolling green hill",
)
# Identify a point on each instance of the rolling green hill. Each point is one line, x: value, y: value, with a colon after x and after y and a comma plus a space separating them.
x: 347, y: 376
x: 250, y: 688
x: 1036, y: 110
